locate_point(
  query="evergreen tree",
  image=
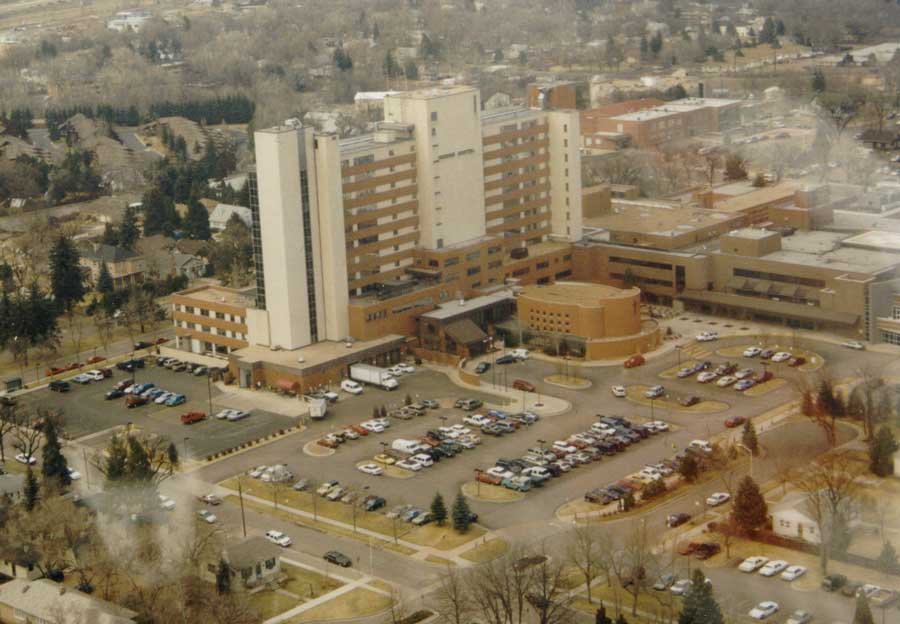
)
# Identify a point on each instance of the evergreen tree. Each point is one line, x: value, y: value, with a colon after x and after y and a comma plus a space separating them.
x: 863, y: 614
x: 700, y: 606
x: 689, y: 468
x: 411, y: 70
x: 748, y: 437
x: 54, y: 467
x: 881, y: 452
x: 768, y: 33
x: 105, y: 283
x: 438, y: 509
x: 391, y: 67
x: 223, y: 578
x: 656, y: 44
x: 160, y: 215
x: 66, y: 278
x: 114, y: 462
x: 750, y: 509
x: 196, y: 223
x: 621, y: 619
x: 172, y: 454
x: 887, y: 559
x: 110, y: 235
x: 128, y: 229
x: 137, y: 462
x: 31, y: 492
x: 462, y: 515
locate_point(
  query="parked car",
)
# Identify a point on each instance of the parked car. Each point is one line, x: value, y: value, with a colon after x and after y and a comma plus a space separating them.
x: 764, y: 610
x: 794, y: 362
x: 619, y: 391
x: 799, y: 617
x: 725, y: 381
x: 706, y: 377
x: 113, y: 394
x: 744, y: 384
x: 654, y: 392
x: 735, y: 421
x: 781, y: 356
x: 854, y: 344
x: 468, y: 404
x: 680, y: 587
x: 688, y: 401
x: 482, y: 367
x: 792, y: 573
x: 371, y: 469
x: 134, y: 400
x: 506, y: 359
x: 192, y: 417
x: 635, y: 361
x: 752, y: 564
x: 774, y: 567
x: 752, y: 352
x: 767, y: 354
x: 677, y: 519
x: 351, y: 387
x: 718, y: 498
x: 707, y: 336
x: 207, y: 516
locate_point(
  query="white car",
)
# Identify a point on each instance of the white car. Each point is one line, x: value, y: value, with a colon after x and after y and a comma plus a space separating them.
x: 166, y: 503
x: 727, y: 380
x: 565, y: 447
x: 781, y: 356
x: 425, y: 460
x: 602, y: 429
x: 618, y: 391
x: 165, y: 396
x: 371, y: 469
x: 409, y: 465
x: 719, y: 498
x: 278, y: 538
x: 22, y: 458
x: 461, y: 429
x: 477, y: 420
x: 95, y: 375
x: 706, y: 377
x: 773, y: 567
x: 764, y: 610
x: 207, y: 517
x: 799, y: 617
x: 395, y: 371
x: 707, y: 336
x: 351, y: 387
x: 406, y: 368
x: 223, y: 415
x: 468, y: 441
x: 854, y: 344
x: 654, y: 392
x: 752, y: 352
x: 384, y: 422
x: 752, y: 564
x: 449, y: 433
x: 680, y: 587
x: 657, y: 425
x: 74, y: 475
x: 500, y: 472
x: 701, y: 445
x: 744, y: 373
x: 792, y: 573
x: 372, y: 426
x: 258, y: 472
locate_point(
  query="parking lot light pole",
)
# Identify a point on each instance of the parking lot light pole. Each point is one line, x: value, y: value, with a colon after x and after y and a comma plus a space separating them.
x: 209, y: 390
x: 384, y: 446
x: 678, y: 349
x: 186, y: 438
x: 651, y: 409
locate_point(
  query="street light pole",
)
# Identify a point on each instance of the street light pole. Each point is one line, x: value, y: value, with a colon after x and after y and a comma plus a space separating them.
x: 209, y: 390
x: 241, y: 499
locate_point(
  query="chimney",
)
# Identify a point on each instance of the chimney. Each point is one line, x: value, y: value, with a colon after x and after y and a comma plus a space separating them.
x: 62, y: 590
x: 700, y: 90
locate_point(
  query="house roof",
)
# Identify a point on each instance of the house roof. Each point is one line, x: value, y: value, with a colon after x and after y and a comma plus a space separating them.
x: 250, y: 551
x: 48, y: 601
x: 223, y: 212
x: 465, y: 332
x: 108, y: 253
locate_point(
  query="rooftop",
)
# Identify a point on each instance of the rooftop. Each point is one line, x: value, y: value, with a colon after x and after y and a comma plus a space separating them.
x: 250, y: 551
x: 577, y: 293
x: 508, y: 113
x: 880, y: 241
x: 779, y: 193
x: 107, y: 253
x: 316, y: 355
x: 751, y: 233
x: 46, y: 601
x: 456, y: 308
x: 430, y: 93
x: 656, y: 218
x: 220, y: 294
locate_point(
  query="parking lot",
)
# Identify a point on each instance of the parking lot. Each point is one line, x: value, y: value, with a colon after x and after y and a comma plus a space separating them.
x: 86, y: 411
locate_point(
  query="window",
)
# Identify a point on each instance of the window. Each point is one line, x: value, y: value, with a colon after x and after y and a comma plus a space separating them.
x: 451, y: 261
x: 473, y: 256
x: 473, y: 271
x: 433, y: 132
x: 433, y: 115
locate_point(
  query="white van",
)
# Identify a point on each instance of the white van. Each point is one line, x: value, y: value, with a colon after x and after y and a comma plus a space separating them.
x: 351, y: 387
x: 408, y: 446
x: 701, y: 445
x: 519, y: 354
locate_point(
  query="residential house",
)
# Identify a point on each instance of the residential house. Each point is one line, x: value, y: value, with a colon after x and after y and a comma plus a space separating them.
x: 163, y: 258
x: 255, y: 561
x: 882, y: 140
x: 126, y: 266
x: 222, y: 213
x: 793, y: 519
x: 43, y: 601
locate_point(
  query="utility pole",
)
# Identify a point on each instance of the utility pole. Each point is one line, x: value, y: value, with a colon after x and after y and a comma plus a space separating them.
x: 241, y: 498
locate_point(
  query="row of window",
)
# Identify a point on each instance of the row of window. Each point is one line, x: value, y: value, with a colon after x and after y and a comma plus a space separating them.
x: 214, y: 331
x: 779, y: 277
x: 210, y: 313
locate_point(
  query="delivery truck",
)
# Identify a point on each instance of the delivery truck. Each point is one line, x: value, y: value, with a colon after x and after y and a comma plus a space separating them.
x: 372, y: 375
x: 317, y: 407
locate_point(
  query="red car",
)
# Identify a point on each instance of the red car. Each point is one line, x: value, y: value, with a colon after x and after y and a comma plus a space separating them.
x: 797, y: 361
x: 95, y: 359
x: 192, y: 417
x: 763, y: 377
x: 327, y: 443
x: 360, y: 430
x: 735, y: 421
x: 634, y: 361
x: 521, y: 384
x: 135, y: 400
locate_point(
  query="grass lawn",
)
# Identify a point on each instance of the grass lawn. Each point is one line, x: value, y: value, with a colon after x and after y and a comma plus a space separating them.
x: 321, y: 526
x: 765, y: 388
x: 488, y: 551
x: 649, y: 601
x: 439, y: 560
x: 443, y: 538
x: 301, y: 581
x: 11, y: 466
x: 491, y: 493
x: 269, y: 603
x: 357, y: 603
x: 591, y: 608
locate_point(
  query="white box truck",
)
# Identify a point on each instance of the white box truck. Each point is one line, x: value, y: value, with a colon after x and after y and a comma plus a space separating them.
x: 318, y: 408
x: 408, y: 446
x: 366, y: 373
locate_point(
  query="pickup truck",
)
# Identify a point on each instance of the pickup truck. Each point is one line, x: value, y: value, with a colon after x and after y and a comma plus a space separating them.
x: 192, y: 417
x: 484, y: 477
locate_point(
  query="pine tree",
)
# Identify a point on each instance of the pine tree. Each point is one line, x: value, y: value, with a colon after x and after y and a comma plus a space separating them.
x: 438, y: 509
x: 700, y: 606
x: 689, y: 468
x: 462, y: 515
x: 223, y: 578
x: 55, y: 468
x: 137, y: 462
x: 750, y: 509
x: 196, y: 222
x: 656, y: 44
x: 887, y: 559
x: 863, y: 614
x: 881, y: 452
x: 748, y: 437
x: 66, y: 278
x: 31, y: 492
x: 105, y: 284
x: 128, y: 229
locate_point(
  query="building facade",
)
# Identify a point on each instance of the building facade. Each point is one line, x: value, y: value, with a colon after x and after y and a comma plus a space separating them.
x: 211, y: 320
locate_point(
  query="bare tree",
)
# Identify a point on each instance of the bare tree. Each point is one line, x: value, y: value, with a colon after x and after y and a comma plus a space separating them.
x: 452, y: 598
x: 104, y: 326
x: 547, y: 594
x: 867, y: 390
x: 634, y: 564
x: 585, y: 553
x: 7, y: 427
x: 27, y: 435
x: 831, y: 487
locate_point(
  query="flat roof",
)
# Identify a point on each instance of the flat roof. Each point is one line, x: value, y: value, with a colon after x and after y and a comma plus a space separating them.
x: 314, y: 355
x: 782, y: 192
x: 656, y: 218
x: 367, y: 143
x: 453, y: 309
x: 429, y: 93
x: 510, y: 112
x: 751, y: 233
x: 876, y: 240
x: 812, y: 241
x: 576, y: 293
x: 844, y: 259
x: 220, y: 294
